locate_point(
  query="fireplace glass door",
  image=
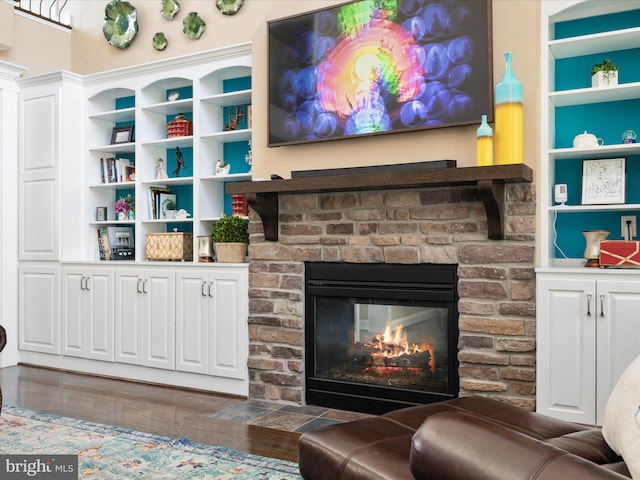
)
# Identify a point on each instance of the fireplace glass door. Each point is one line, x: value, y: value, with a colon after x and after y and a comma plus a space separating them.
x: 384, y: 337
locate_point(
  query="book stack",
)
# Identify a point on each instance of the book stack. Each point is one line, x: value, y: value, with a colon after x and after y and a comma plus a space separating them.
x: 116, y: 170
x: 158, y: 195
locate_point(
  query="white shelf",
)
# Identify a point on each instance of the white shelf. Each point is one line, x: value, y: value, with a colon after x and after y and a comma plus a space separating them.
x: 233, y: 177
x: 229, y: 136
x: 114, y: 185
x: 582, y: 96
x: 128, y: 147
x: 620, y: 149
x: 169, y: 181
x: 595, y: 43
x: 117, y: 116
x: 173, y: 142
x: 241, y: 97
x: 171, y: 108
x: 594, y: 208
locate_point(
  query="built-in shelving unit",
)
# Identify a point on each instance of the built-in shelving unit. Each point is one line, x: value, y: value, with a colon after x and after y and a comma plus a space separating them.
x: 205, y: 89
x: 576, y: 35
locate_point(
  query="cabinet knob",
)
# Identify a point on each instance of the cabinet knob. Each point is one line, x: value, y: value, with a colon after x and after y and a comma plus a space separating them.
x: 210, y: 289
x: 601, y: 306
x: 138, y: 285
x: 144, y: 285
x: 203, y: 291
x: 588, y: 305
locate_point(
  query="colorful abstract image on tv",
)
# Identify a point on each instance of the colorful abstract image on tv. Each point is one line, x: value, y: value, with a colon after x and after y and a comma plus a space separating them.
x: 379, y: 66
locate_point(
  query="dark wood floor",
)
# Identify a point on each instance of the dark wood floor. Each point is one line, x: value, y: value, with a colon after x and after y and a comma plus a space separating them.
x: 163, y: 411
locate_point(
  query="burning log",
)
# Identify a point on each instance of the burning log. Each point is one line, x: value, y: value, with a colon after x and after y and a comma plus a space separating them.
x: 361, y: 354
x: 415, y: 360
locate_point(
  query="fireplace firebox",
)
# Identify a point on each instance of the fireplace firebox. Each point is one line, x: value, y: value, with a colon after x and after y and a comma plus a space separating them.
x: 379, y: 337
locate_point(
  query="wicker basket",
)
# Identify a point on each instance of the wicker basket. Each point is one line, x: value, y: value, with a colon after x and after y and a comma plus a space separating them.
x: 179, y: 127
x: 169, y: 246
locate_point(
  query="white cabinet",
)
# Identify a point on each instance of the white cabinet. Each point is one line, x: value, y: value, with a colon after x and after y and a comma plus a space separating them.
x: 87, y: 312
x: 145, y: 317
x: 51, y: 164
x: 38, y: 308
x: 211, y: 322
x: 587, y: 334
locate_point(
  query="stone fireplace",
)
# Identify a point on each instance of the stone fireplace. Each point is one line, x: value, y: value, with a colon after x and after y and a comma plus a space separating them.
x: 413, y: 225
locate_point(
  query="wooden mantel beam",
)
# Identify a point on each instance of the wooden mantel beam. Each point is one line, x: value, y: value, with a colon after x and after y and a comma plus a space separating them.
x: 262, y: 196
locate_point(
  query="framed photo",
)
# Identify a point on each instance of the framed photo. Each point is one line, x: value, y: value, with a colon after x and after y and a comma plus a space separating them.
x: 368, y: 68
x: 603, y: 181
x: 122, y: 134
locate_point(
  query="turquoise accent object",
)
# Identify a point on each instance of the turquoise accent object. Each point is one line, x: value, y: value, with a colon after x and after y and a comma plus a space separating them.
x: 485, y: 129
x: 120, y: 23
x: 509, y: 90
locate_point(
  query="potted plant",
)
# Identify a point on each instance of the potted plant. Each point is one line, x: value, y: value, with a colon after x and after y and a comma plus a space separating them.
x: 169, y: 208
x: 604, y: 74
x: 123, y: 206
x: 230, y: 236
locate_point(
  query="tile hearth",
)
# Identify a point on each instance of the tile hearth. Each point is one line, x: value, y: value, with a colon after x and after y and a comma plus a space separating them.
x: 285, y: 417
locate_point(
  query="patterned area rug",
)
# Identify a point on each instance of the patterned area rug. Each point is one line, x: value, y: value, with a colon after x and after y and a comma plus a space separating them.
x: 106, y: 452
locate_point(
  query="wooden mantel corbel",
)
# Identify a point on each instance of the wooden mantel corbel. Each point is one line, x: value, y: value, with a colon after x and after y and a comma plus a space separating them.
x: 262, y: 196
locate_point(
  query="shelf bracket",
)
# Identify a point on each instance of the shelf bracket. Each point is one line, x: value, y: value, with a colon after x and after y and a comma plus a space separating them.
x: 266, y: 206
x: 492, y: 195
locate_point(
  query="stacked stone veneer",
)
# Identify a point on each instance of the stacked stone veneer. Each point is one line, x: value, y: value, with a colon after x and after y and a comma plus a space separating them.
x: 496, y: 284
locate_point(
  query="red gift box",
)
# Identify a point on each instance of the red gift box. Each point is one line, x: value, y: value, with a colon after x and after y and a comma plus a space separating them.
x: 619, y: 253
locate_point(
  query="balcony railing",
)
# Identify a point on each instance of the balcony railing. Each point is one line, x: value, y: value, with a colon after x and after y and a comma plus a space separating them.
x: 48, y: 10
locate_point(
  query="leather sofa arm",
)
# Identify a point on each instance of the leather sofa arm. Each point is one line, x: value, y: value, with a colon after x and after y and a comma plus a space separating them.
x: 460, y: 446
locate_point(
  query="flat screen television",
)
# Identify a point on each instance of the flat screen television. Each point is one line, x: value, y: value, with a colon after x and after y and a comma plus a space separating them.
x: 379, y: 66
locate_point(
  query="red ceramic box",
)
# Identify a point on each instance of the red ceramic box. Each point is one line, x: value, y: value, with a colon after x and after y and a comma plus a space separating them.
x: 619, y: 253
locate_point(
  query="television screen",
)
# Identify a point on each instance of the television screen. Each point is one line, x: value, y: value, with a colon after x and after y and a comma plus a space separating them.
x: 379, y: 66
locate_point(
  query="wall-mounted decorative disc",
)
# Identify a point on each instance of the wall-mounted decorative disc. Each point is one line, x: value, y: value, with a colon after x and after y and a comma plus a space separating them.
x: 229, y: 7
x: 120, y: 23
x: 169, y: 9
x: 193, y: 26
x: 159, y: 41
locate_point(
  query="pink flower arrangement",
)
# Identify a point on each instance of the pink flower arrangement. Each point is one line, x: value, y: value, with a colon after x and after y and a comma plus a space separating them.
x: 124, y: 205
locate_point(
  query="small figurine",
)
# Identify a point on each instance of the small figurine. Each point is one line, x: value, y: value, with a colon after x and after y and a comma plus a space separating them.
x: 179, y: 162
x: 222, y: 167
x: 161, y: 171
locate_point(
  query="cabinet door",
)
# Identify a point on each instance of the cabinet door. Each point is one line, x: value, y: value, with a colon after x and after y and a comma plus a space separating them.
x: 192, y: 300
x: 129, y: 317
x: 100, y: 317
x: 159, y: 333
x: 618, y: 323
x: 74, y: 312
x: 228, y: 325
x: 566, y: 332
x: 38, y: 309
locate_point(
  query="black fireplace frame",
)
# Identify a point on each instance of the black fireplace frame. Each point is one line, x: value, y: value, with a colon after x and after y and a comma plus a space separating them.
x: 433, y: 284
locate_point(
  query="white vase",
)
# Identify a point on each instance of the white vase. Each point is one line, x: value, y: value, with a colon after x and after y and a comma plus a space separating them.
x: 122, y: 215
x: 604, y: 79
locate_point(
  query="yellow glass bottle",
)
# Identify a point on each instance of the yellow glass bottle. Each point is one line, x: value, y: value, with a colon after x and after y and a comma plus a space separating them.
x: 484, y: 144
x: 509, y: 126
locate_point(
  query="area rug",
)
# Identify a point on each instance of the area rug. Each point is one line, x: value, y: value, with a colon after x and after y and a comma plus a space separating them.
x: 107, y: 452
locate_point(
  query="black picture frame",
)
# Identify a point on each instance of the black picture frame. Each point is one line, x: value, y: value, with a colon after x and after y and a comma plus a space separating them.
x: 122, y: 134
x: 368, y: 68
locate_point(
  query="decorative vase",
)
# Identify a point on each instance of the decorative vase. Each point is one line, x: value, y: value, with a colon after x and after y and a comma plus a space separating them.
x: 592, y: 249
x: 484, y: 144
x: 205, y: 248
x: 122, y: 215
x: 509, y: 126
x: 170, y: 214
x: 231, y: 252
x: 607, y: 78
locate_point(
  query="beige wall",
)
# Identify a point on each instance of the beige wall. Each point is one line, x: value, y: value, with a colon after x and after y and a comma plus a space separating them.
x: 515, y: 28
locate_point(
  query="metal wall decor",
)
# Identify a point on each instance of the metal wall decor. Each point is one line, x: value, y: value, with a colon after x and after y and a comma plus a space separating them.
x: 229, y: 7
x: 159, y: 41
x: 193, y: 26
x: 169, y: 9
x: 120, y: 23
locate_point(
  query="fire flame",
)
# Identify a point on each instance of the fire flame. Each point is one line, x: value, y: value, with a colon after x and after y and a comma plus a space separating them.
x: 394, y: 343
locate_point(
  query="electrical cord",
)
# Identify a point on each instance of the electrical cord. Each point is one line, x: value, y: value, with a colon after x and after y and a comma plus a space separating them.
x: 555, y: 234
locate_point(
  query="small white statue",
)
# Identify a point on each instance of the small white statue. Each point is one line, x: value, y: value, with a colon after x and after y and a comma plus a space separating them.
x: 161, y: 170
x: 222, y: 167
x: 182, y: 214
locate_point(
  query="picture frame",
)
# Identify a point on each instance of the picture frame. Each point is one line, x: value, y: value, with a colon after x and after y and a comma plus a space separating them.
x: 366, y: 68
x: 122, y: 134
x: 604, y: 181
